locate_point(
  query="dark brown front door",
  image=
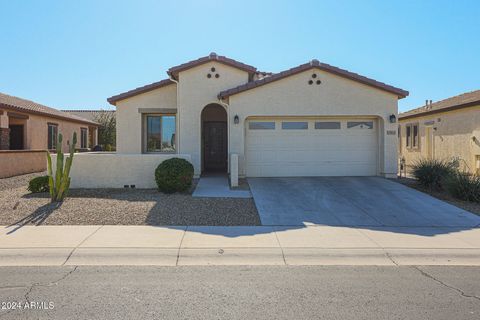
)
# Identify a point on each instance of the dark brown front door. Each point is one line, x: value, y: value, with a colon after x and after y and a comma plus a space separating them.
x: 215, y: 146
x: 16, y: 137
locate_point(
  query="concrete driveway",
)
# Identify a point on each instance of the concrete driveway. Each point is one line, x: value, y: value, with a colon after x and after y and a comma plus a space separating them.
x: 351, y: 201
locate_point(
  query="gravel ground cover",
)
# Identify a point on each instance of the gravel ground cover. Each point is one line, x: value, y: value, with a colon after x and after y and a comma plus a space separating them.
x: 442, y: 195
x: 119, y: 207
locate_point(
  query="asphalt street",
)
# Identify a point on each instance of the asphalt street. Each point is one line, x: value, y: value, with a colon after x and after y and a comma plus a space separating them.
x: 347, y: 292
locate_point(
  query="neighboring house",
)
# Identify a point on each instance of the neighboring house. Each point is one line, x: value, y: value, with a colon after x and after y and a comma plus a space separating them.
x: 448, y: 129
x: 106, y: 131
x: 89, y: 114
x: 27, y: 125
x: 311, y: 120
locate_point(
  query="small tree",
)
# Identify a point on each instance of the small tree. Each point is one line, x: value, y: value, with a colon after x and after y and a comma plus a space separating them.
x: 107, y: 129
x: 60, y: 183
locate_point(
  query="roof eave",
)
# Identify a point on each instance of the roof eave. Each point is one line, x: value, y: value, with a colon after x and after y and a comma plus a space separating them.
x: 312, y: 65
x: 46, y: 114
x: 435, y: 111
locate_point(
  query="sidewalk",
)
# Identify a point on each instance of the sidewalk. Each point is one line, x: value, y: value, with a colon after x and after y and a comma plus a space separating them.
x: 177, y: 246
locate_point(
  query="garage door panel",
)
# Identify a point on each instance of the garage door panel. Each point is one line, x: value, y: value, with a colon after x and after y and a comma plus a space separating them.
x: 312, y: 152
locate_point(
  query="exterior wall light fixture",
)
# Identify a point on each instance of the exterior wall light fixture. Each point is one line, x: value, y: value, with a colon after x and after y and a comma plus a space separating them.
x: 393, y: 118
x: 236, y: 119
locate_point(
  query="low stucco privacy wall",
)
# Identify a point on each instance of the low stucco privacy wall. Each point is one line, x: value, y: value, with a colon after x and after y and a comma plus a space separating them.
x: 16, y: 162
x: 113, y: 170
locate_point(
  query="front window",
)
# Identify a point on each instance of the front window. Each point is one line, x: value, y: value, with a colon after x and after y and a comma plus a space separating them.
x: 83, y: 138
x: 160, y: 133
x: 52, y: 136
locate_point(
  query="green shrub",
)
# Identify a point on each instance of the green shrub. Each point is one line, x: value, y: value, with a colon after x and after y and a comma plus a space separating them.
x: 38, y: 184
x: 174, y: 175
x: 432, y: 173
x: 464, y: 186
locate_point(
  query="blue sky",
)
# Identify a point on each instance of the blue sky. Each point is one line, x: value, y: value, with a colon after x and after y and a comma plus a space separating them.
x: 75, y: 54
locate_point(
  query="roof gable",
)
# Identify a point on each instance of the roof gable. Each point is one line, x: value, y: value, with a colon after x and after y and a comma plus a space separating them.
x: 311, y: 65
x: 174, y: 71
x: 149, y: 87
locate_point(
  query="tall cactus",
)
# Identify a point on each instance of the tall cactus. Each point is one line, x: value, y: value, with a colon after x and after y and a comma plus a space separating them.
x: 60, y: 184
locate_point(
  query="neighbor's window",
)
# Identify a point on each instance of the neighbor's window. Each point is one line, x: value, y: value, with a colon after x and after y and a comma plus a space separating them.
x: 295, y: 125
x: 360, y: 125
x: 412, y: 138
x: 327, y: 125
x: 415, y: 136
x: 52, y: 136
x: 83, y: 138
x: 160, y: 133
x: 257, y: 125
x: 408, y: 137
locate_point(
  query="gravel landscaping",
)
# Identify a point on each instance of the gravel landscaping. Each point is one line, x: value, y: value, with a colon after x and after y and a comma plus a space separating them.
x: 473, y: 207
x: 119, y: 207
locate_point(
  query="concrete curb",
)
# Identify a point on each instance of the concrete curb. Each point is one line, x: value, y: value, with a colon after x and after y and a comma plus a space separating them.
x: 236, y: 256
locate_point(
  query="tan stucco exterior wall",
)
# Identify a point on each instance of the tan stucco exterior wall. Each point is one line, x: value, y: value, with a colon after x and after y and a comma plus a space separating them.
x: 457, y: 134
x: 292, y: 96
x: 16, y: 162
x: 129, y: 119
x: 113, y: 170
x: 195, y: 91
x: 336, y: 96
x: 36, y: 129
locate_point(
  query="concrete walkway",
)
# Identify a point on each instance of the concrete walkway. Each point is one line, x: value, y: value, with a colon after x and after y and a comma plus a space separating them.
x: 247, y: 245
x: 217, y: 186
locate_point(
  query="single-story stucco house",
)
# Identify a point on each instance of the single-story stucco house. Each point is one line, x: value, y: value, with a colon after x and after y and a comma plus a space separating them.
x: 226, y: 116
x: 448, y: 129
x: 29, y: 128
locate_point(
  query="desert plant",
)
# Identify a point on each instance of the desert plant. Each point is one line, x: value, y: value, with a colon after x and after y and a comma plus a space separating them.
x: 432, y: 173
x: 38, y: 184
x: 60, y: 183
x: 174, y: 175
x: 464, y: 186
x: 107, y: 129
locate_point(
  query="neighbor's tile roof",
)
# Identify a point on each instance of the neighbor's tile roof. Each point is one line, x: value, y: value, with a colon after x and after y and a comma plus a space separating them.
x: 314, y: 64
x: 173, y: 71
x: 27, y: 106
x: 88, y: 114
x: 149, y: 87
x: 463, y: 100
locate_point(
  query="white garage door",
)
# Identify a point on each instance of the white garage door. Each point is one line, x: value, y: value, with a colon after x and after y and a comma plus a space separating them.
x: 306, y: 147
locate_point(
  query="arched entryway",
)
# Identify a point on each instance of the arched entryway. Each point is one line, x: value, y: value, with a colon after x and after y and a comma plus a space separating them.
x: 214, y: 138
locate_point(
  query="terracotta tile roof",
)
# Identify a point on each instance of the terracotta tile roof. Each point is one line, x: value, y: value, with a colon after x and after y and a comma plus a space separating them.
x: 463, y: 100
x: 27, y: 106
x: 314, y: 64
x: 149, y: 87
x: 88, y: 114
x: 211, y: 57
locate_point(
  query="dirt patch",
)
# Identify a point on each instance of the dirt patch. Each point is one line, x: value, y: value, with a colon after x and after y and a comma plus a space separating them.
x: 120, y: 207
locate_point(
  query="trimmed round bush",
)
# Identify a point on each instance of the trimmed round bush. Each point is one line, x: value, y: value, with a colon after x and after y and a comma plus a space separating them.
x: 38, y: 184
x: 174, y: 175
